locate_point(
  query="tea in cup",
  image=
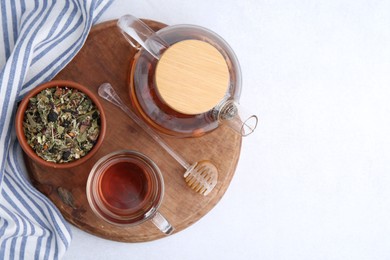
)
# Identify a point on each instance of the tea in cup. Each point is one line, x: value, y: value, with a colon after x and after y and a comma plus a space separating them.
x: 126, y: 188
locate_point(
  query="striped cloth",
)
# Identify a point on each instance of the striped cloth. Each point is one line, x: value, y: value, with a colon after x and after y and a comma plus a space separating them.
x: 39, y: 37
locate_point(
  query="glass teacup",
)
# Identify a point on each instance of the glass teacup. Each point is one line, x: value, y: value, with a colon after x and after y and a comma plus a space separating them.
x: 126, y: 188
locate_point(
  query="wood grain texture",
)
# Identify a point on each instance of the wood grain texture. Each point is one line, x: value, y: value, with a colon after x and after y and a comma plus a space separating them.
x: 106, y: 57
x: 192, y: 77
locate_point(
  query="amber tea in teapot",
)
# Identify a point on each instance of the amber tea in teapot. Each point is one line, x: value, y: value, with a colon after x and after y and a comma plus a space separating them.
x: 185, y: 80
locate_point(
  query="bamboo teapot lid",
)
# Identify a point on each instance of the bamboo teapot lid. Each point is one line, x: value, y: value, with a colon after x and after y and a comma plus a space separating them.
x: 192, y: 77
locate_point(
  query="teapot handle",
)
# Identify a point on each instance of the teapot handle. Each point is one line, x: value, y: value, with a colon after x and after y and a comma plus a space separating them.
x: 137, y: 33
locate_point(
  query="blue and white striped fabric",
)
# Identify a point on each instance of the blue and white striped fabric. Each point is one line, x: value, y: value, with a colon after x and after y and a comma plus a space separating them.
x: 37, y: 39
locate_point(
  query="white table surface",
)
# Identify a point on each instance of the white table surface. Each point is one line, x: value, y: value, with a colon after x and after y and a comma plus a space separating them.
x: 313, y: 181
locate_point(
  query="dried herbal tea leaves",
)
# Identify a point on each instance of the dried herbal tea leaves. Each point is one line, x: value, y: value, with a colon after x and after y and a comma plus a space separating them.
x: 61, y: 124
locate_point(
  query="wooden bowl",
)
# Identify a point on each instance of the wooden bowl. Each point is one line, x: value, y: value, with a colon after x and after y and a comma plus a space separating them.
x: 20, y: 117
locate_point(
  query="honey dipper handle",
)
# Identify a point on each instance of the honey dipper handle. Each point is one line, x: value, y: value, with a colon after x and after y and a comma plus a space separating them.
x: 107, y: 92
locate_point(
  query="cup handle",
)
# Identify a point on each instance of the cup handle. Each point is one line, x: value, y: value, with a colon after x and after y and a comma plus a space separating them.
x: 137, y: 33
x: 162, y: 223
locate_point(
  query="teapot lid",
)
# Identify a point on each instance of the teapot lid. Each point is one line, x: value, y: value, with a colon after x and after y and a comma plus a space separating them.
x: 192, y: 76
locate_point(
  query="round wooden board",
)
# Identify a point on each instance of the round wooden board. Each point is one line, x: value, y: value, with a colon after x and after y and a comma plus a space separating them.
x: 106, y: 57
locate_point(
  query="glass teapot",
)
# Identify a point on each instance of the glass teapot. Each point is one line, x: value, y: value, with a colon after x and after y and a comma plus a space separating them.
x: 185, y: 80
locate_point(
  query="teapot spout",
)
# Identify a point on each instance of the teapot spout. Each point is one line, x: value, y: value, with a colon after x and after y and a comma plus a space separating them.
x: 232, y: 114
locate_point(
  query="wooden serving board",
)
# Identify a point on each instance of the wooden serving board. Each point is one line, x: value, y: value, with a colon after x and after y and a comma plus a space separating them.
x: 106, y: 57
